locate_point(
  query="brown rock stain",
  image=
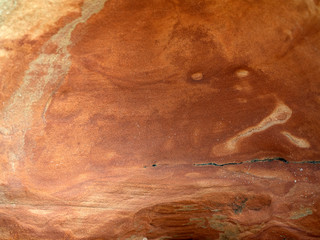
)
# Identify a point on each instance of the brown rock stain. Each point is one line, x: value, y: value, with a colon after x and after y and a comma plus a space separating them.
x: 102, y: 137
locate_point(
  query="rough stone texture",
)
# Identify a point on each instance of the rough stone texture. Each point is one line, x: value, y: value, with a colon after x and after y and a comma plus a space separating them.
x: 159, y: 119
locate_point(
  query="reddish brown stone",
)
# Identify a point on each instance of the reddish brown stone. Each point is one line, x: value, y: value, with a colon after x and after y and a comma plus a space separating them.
x: 158, y: 119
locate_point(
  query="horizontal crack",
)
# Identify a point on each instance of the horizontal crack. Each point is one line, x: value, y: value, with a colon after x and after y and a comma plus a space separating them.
x: 255, y: 161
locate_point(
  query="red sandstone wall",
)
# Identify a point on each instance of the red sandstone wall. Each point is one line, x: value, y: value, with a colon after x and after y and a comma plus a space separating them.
x: 159, y: 119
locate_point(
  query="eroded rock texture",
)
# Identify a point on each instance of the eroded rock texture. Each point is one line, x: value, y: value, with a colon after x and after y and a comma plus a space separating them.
x: 159, y: 119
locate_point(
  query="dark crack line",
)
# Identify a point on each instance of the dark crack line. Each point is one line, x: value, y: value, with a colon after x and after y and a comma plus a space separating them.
x: 279, y: 159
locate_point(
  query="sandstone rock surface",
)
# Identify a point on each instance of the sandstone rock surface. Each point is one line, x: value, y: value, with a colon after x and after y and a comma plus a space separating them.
x: 159, y: 119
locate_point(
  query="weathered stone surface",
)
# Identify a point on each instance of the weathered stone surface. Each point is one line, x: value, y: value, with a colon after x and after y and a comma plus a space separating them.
x: 158, y: 119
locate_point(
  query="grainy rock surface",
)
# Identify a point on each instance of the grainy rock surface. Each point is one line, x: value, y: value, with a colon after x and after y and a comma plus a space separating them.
x: 159, y: 119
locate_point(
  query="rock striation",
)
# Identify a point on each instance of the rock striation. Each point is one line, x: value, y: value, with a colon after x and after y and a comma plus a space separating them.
x: 159, y: 119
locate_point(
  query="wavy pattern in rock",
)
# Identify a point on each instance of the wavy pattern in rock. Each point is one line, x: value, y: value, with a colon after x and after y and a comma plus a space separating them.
x: 159, y: 119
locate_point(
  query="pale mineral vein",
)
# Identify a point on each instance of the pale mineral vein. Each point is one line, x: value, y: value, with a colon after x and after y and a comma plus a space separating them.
x: 299, y: 142
x: 16, y: 117
x: 280, y: 115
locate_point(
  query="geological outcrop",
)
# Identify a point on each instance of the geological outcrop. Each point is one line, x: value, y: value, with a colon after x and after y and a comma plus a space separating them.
x: 159, y: 119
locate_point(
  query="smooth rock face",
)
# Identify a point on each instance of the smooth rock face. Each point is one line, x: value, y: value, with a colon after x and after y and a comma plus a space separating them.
x: 158, y: 119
